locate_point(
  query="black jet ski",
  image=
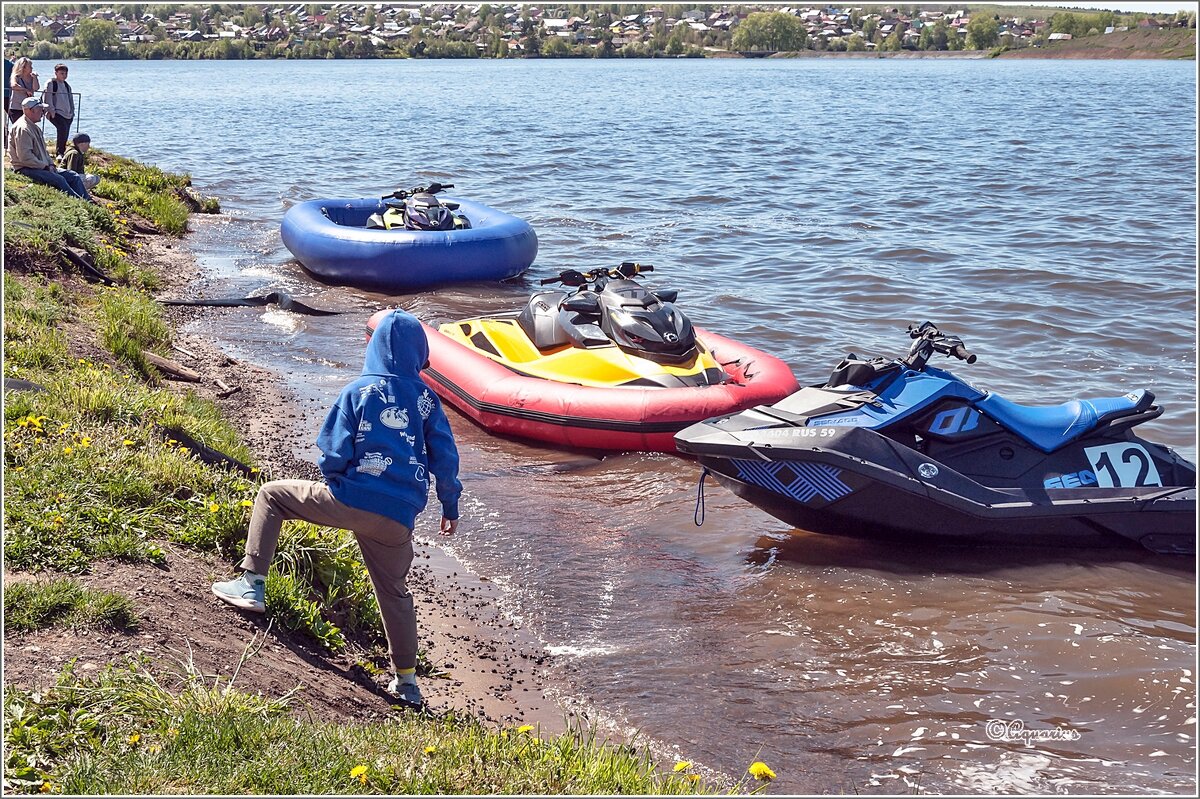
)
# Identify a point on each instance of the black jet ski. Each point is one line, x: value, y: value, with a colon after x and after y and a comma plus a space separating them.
x: 897, y: 449
x: 418, y: 209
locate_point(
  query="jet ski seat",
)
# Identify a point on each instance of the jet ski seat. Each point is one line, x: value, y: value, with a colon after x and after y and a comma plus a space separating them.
x: 1053, y: 426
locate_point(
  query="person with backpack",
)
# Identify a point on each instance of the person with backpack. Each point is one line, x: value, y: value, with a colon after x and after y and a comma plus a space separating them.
x: 61, y: 103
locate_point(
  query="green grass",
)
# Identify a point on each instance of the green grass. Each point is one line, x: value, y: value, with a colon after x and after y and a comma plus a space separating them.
x: 89, y: 475
x: 33, y: 311
x: 318, y: 584
x: 125, y: 732
x: 131, y: 322
x: 40, y: 219
x: 32, y: 606
x: 146, y: 190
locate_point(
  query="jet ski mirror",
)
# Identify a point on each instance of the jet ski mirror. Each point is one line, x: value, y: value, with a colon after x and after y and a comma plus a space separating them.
x: 629, y: 269
x: 582, y: 303
x: 928, y: 340
x: 667, y: 295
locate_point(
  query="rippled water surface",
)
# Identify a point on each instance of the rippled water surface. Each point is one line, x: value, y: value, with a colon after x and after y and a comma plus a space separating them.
x: 1045, y: 211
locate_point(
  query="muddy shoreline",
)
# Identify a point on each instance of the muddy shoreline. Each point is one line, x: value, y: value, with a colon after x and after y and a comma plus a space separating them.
x: 489, y: 668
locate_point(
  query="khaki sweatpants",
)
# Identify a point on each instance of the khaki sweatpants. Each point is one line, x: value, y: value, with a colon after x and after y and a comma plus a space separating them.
x: 386, y: 546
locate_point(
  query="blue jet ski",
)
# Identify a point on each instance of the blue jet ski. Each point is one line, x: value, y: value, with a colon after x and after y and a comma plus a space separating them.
x: 900, y: 450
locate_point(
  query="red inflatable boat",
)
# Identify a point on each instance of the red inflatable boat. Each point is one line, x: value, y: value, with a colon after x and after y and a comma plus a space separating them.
x: 625, y: 418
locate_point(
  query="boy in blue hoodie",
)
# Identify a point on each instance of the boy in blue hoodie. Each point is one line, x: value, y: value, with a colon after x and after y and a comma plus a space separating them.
x: 380, y: 442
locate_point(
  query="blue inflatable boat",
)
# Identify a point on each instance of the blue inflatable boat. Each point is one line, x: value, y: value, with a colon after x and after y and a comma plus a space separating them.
x: 331, y: 240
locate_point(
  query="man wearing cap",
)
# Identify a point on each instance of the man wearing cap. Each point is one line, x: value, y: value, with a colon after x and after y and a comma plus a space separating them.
x: 75, y: 159
x: 27, y: 151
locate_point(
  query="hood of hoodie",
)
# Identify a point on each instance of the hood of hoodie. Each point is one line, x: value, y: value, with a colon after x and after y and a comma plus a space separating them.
x: 398, y: 347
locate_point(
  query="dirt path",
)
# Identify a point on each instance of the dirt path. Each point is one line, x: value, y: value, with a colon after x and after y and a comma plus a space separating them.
x: 493, y: 676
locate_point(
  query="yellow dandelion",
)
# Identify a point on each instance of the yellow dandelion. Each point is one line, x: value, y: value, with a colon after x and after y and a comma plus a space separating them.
x: 693, y: 778
x: 245, y: 503
x: 46, y: 787
x: 525, y: 728
x: 62, y: 428
x: 172, y: 732
x: 59, y: 519
x: 67, y: 450
x: 213, y: 508
x: 253, y: 470
x: 133, y: 739
x: 682, y: 765
x: 429, y: 750
x: 60, y: 496
x: 127, y: 443
x: 171, y: 442
x: 154, y: 749
x: 183, y: 449
x: 359, y: 773
x: 761, y: 771
x: 85, y: 442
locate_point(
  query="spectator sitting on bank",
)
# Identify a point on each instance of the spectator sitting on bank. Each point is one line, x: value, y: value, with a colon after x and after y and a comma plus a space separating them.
x: 27, y: 151
x: 75, y: 159
x: 62, y: 108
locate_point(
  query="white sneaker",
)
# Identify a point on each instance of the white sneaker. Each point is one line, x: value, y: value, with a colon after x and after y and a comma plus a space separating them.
x: 242, y: 593
x: 407, y: 692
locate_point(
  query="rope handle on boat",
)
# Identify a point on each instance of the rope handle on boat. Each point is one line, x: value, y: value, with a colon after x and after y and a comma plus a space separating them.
x: 698, y: 516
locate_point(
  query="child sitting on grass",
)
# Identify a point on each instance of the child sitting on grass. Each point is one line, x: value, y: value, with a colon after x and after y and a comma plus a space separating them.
x: 383, y: 437
x: 75, y: 159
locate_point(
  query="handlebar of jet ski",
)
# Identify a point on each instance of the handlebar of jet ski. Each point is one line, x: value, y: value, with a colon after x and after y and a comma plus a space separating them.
x: 432, y: 188
x: 963, y: 354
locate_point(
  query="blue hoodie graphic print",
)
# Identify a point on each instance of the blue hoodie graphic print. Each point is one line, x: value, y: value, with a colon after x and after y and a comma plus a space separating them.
x: 387, y: 432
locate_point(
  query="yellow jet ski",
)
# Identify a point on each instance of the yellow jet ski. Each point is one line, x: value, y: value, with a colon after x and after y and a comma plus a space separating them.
x: 602, y: 363
x: 610, y: 331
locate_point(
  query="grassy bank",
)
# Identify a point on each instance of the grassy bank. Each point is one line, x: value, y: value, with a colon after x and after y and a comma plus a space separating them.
x: 126, y: 732
x: 96, y: 470
x: 41, y: 222
x: 1154, y: 43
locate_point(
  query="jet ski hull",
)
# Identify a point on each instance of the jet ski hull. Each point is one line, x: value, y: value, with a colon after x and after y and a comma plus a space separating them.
x: 854, y: 482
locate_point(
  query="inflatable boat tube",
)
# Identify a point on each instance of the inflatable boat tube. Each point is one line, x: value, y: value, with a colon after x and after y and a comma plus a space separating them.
x: 625, y: 419
x: 331, y: 240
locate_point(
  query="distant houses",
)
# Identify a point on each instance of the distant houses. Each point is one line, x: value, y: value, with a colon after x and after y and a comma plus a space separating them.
x: 513, y: 28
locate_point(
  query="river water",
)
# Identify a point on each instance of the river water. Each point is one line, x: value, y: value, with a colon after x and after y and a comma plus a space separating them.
x: 1044, y: 210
